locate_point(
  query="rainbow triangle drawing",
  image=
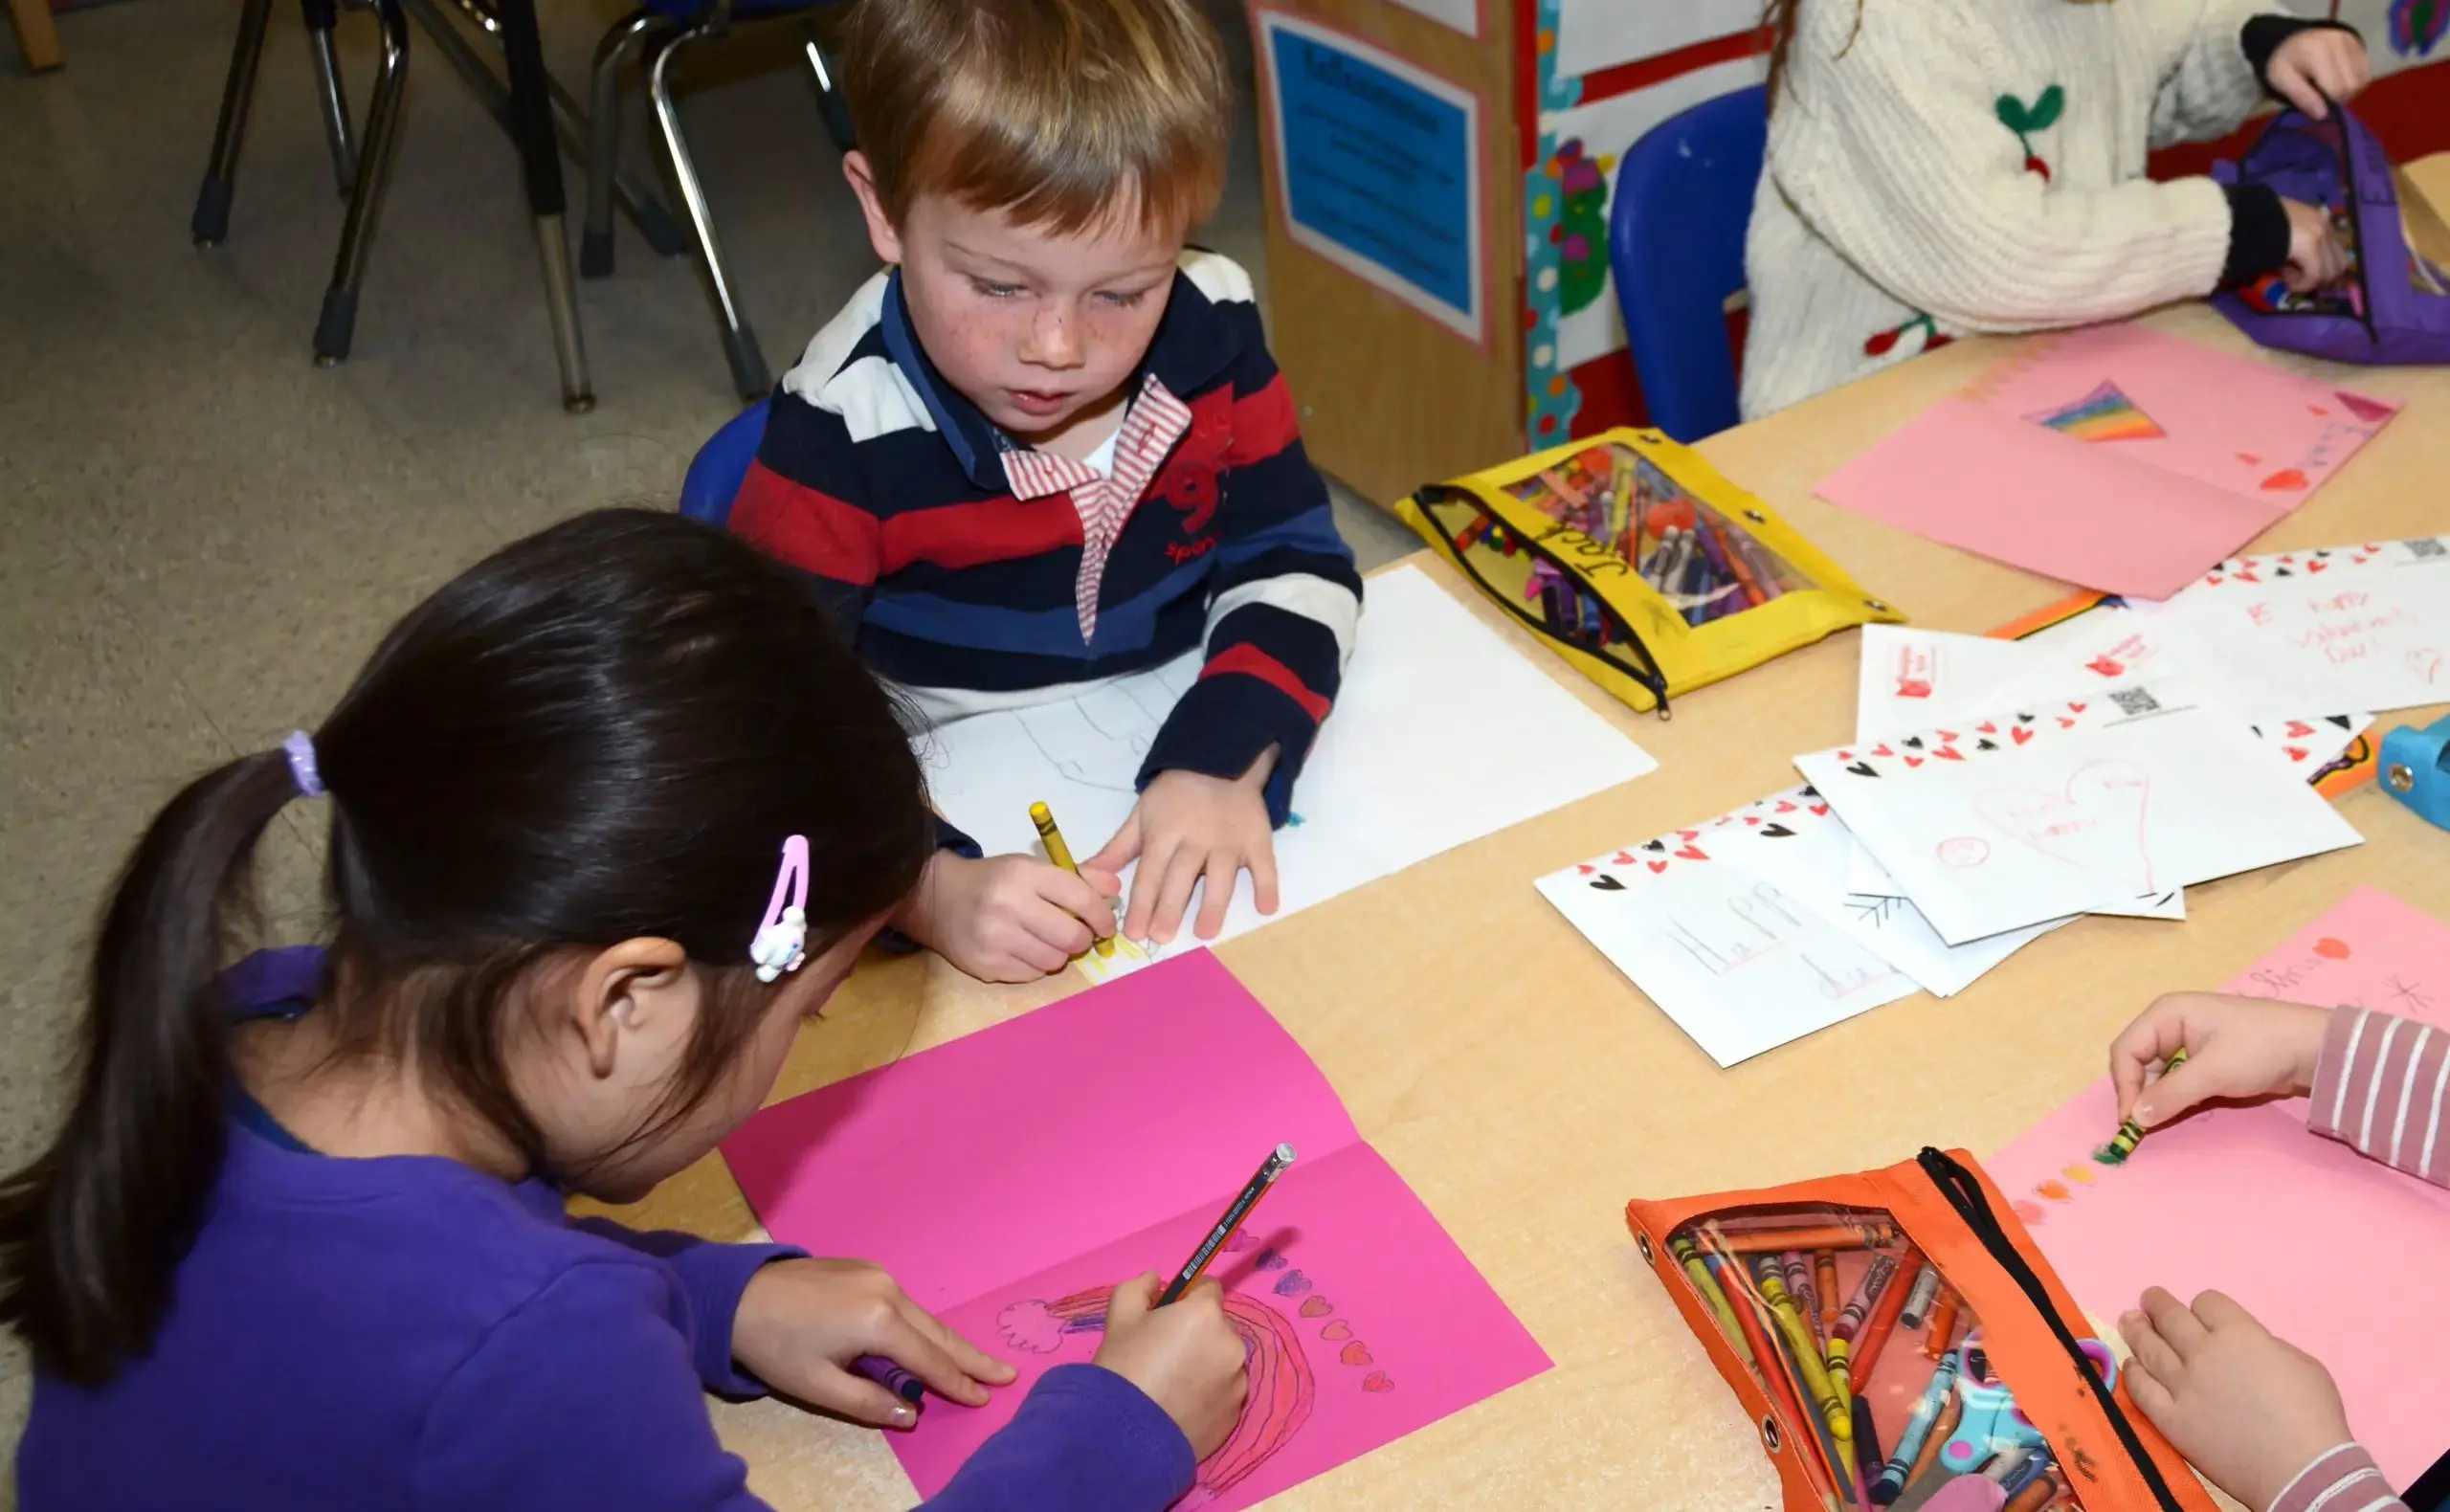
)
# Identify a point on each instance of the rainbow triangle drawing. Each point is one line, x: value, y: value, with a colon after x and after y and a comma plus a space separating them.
x: 2105, y: 414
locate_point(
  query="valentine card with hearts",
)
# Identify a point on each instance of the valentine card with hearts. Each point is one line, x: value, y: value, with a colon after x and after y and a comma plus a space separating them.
x: 2350, y: 629
x: 2116, y: 457
x: 2079, y: 805
x: 1699, y: 921
x: 1010, y: 1180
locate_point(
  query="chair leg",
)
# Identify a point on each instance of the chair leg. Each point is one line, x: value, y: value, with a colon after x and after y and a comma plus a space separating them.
x: 540, y: 155
x: 748, y: 371
x: 337, y: 327
x: 612, y: 54
x: 321, y: 16
x: 210, y: 222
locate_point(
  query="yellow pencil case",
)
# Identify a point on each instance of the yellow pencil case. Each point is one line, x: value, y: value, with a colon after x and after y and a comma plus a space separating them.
x: 1636, y: 560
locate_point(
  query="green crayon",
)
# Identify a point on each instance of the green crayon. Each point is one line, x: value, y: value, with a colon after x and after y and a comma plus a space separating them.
x: 1689, y: 1256
x: 2131, y: 1133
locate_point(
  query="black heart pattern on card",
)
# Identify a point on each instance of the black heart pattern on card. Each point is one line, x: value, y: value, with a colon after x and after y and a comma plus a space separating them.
x: 1986, y: 745
x: 1862, y: 768
x: 1654, y: 845
x: 1913, y: 743
x: 1777, y: 832
x: 2342, y: 721
x: 1607, y: 884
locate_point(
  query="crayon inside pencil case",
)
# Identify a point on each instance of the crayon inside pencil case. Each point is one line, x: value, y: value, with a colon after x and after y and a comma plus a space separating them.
x: 1750, y: 1239
x: 1771, y: 1367
x: 1874, y: 1337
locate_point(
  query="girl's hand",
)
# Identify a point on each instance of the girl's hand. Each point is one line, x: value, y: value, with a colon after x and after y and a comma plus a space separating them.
x: 1005, y: 919
x: 2248, y: 1410
x: 2321, y: 61
x: 2236, y: 1047
x: 1185, y: 1357
x: 801, y: 1322
x: 2316, y: 258
x: 1188, y: 832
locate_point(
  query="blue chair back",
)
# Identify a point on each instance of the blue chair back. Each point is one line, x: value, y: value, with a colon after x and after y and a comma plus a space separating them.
x: 716, y: 472
x: 1676, y: 247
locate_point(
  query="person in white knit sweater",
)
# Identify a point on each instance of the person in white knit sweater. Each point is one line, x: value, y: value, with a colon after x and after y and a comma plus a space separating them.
x: 1941, y: 168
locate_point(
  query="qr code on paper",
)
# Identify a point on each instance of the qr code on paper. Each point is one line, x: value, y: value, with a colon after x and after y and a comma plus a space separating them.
x: 2135, y: 700
x: 2427, y: 546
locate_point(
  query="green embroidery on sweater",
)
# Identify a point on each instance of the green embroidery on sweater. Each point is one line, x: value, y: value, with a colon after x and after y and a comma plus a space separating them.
x: 2027, y: 119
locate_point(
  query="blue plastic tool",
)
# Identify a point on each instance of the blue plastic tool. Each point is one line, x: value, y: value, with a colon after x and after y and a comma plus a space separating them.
x: 2416, y: 769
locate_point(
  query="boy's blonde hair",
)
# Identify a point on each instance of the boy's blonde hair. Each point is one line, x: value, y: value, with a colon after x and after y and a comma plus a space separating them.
x: 1056, y: 112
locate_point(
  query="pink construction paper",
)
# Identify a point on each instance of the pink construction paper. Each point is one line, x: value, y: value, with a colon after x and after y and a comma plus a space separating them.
x: 1002, y: 1176
x: 1363, y: 1320
x: 2335, y: 1252
x: 2239, y: 445
x: 1009, y: 1151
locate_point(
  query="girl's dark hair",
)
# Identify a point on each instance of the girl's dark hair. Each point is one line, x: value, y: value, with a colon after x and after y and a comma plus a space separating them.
x: 602, y: 732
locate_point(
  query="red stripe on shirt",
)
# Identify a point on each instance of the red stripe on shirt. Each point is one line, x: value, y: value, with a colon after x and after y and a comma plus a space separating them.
x: 987, y: 530
x: 1264, y: 424
x: 1251, y: 661
x: 810, y: 530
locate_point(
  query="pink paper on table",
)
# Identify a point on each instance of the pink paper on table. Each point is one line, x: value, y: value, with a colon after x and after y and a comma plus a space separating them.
x: 2116, y: 457
x: 1011, y: 1177
x: 2335, y: 1252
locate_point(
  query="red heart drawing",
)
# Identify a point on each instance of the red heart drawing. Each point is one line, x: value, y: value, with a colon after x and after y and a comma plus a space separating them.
x: 2066, y: 723
x: 2249, y: 459
x: 1752, y: 818
x: 2317, y: 410
x: 1882, y: 750
x: 1377, y: 1380
x: 1657, y: 866
x: 2299, y: 730
x: 2287, y: 479
x: 2021, y: 734
x: 1784, y: 806
x: 1913, y: 760
x: 2316, y: 566
x: 2095, y: 822
x: 1586, y: 870
x: 1821, y: 807
x: 2296, y: 753
x: 1624, y: 858
x: 1315, y: 1306
x: 1987, y: 728
x: 2075, y: 708
x: 2248, y: 577
x: 1947, y: 734
x: 1845, y: 755
x: 1689, y: 835
x: 1948, y: 753
x: 1693, y: 853
x: 2331, y: 949
x: 1355, y: 1353
x: 1336, y: 1332
x: 2105, y: 666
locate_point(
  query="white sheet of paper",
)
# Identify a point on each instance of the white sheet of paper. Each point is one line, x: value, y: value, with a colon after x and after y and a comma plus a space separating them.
x: 2072, y: 807
x: 1741, y: 965
x: 1442, y: 733
x: 1798, y: 841
x: 2355, y: 628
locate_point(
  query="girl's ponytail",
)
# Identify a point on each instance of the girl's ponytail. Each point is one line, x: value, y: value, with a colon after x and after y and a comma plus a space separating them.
x: 90, y: 1233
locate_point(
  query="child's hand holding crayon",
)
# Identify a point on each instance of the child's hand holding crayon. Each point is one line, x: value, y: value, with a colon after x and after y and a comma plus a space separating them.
x: 1006, y: 918
x: 2248, y: 1410
x: 2236, y: 1047
x: 801, y: 1325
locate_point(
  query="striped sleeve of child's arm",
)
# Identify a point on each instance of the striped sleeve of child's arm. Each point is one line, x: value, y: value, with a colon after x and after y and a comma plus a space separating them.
x: 2379, y: 1087
x: 803, y: 504
x: 2342, y: 1479
x: 1284, y: 601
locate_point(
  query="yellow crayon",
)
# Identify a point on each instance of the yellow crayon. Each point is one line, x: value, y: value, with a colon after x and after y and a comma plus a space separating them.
x: 1060, y: 855
x: 1807, y: 1359
x: 1691, y: 1257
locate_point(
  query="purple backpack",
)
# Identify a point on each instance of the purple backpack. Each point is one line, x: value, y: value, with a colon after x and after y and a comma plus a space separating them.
x: 2394, y: 303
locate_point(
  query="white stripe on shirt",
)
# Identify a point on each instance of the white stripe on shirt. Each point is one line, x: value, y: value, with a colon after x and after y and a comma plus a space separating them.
x: 1304, y: 593
x: 2407, y: 1089
x: 2374, y: 1088
x: 2347, y: 1071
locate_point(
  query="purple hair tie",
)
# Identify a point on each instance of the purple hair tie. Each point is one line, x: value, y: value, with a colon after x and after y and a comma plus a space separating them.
x: 300, y: 748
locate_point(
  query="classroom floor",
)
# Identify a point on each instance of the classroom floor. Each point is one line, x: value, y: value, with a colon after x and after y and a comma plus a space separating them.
x: 205, y: 534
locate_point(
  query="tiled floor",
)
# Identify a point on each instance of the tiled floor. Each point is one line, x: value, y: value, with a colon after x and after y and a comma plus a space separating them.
x: 204, y: 533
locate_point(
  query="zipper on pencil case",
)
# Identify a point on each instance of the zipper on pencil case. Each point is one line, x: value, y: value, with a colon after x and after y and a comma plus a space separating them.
x: 1647, y: 674
x: 1963, y: 1193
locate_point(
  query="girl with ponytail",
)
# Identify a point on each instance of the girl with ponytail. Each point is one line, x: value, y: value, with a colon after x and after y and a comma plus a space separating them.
x: 609, y: 815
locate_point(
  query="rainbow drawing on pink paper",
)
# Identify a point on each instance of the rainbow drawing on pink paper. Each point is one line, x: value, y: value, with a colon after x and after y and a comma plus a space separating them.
x: 1284, y: 1386
x: 2105, y: 414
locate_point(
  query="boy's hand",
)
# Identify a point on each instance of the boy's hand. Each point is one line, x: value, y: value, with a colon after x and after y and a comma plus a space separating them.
x: 2321, y: 61
x: 801, y: 1322
x: 2248, y: 1410
x: 2316, y: 260
x: 2236, y: 1047
x: 1185, y: 1357
x: 1005, y: 919
x: 1186, y: 827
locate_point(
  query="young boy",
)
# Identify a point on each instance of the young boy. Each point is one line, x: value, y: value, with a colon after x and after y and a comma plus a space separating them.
x: 1047, y: 447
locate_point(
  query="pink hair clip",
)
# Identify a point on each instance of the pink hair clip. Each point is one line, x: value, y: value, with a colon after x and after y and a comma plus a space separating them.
x: 781, y: 944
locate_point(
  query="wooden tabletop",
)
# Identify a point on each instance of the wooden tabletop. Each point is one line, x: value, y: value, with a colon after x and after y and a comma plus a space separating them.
x: 1526, y: 1089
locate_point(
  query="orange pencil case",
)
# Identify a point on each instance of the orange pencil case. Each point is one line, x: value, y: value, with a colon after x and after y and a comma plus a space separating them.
x: 1936, y: 1335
